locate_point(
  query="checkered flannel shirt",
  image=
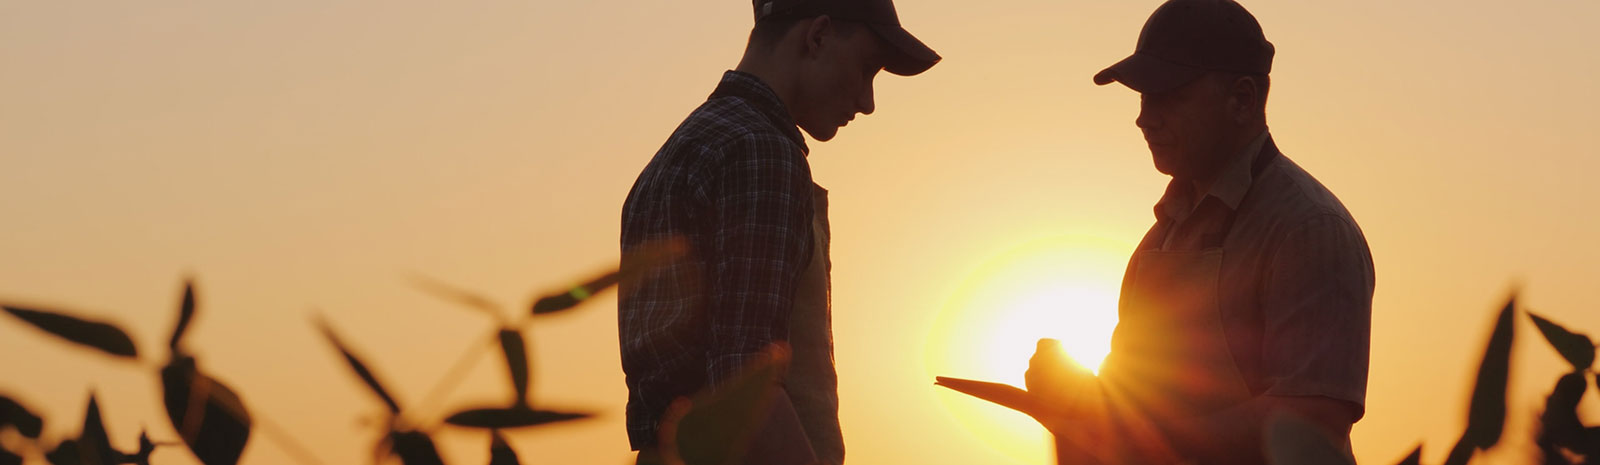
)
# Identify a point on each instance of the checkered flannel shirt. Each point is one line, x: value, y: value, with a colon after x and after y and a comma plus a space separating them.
x: 733, y: 182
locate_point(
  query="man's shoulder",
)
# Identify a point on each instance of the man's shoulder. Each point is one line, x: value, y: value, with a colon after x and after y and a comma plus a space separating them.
x: 727, y: 121
x: 1290, y: 195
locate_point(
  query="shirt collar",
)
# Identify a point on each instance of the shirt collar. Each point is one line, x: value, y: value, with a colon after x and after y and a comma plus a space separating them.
x: 1230, y: 188
x: 752, y: 90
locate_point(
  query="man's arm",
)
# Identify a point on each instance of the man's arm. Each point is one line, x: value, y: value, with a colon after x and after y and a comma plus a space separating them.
x: 1316, y: 303
x: 761, y: 199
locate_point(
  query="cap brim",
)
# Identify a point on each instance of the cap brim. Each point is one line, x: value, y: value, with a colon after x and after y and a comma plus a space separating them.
x: 911, y: 56
x: 1144, y: 73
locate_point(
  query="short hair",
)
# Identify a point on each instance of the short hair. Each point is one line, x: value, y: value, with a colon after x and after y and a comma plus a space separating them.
x: 768, y: 31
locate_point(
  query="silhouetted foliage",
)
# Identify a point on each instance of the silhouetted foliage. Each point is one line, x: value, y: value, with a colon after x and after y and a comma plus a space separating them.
x: 1576, y: 348
x: 102, y: 336
x: 212, y: 420
x: 359, y: 367
x: 207, y: 414
x: 717, y: 425
x: 13, y: 414
x: 500, y: 451
x: 1414, y: 458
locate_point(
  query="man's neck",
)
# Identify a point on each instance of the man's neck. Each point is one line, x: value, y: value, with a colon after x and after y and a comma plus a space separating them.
x: 771, y: 74
x: 1229, y: 156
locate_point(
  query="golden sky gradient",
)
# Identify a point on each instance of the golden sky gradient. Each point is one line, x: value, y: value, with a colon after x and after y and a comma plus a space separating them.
x: 310, y: 154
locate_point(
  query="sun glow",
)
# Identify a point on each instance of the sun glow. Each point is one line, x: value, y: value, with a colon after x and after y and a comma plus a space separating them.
x: 1063, y: 288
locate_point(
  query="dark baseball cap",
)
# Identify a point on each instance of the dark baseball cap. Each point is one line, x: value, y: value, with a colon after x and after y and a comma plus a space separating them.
x: 912, y: 55
x: 1184, y: 39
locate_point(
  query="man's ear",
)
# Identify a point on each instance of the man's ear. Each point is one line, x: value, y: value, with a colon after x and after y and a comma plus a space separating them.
x: 816, y: 31
x: 1244, y: 98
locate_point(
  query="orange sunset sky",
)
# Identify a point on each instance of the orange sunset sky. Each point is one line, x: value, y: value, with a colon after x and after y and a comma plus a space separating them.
x: 295, y: 155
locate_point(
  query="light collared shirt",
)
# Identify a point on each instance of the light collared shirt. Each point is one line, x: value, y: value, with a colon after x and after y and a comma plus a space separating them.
x: 1296, y: 283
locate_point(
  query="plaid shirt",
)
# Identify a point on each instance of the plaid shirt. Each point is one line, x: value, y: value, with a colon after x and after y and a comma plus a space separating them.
x: 733, y: 182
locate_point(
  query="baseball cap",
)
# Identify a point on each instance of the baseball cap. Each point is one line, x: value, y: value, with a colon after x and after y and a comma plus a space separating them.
x: 913, y: 56
x: 1184, y: 39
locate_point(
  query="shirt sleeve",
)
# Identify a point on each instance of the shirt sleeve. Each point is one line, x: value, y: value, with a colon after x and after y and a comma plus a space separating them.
x: 1317, y: 312
x: 759, y: 244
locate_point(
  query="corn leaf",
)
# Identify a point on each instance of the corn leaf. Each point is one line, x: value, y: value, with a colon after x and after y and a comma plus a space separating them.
x: 103, y: 336
x: 359, y: 367
x: 513, y: 417
x: 208, y: 415
x: 516, y: 352
x: 185, y: 314
x: 1576, y: 348
x: 500, y: 451
x: 12, y: 413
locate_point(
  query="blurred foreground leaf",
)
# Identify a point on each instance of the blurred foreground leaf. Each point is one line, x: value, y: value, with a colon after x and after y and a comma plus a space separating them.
x: 458, y: 295
x: 185, y: 314
x: 716, y: 425
x: 513, y: 417
x: 1415, y: 458
x: 12, y: 413
x: 360, y: 368
x: 207, y: 414
x: 92, y: 447
x: 640, y: 259
x: 500, y: 452
x: 1576, y: 348
x: 1486, y: 415
x: 1559, y: 423
x: 516, y: 352
x: 103, y: 336
x: 414, y: 448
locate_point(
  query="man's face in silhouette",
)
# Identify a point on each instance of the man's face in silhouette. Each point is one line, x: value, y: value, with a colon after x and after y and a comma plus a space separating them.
x: 1186, y: 128
x: 835, y: 81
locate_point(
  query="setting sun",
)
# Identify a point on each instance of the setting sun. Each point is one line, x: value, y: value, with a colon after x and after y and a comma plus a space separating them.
x: 1062, y: 288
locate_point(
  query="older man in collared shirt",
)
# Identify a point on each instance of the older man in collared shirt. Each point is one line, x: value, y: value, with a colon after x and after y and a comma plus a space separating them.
x: 1251, y: 296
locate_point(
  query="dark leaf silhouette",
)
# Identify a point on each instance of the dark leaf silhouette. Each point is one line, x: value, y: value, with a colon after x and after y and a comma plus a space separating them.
x: 1487, y: 414
x: 14, y: 414
x: 575, y: 295
x: 415, y: 448
x: 1576, y: 348
x: 1560, y: 425
x: 146, y: 447
x: 458, y: 295
x: 643, y: 259
x: 94, y: 334
x: 360, y: 368
x: 185, y: 313
x: 1486, y: 418
x: 1591, y: 442
x: 516, y: 352
x: 208, y: 415
x: 514, y: 417
x: 65, y: 453
x: 1415, y: 458
x: 500, y: 452
x: 716, y: 425
x: 94, y: 445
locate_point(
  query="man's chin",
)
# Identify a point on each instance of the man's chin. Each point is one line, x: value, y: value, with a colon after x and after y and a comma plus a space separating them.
x: 822, y: 134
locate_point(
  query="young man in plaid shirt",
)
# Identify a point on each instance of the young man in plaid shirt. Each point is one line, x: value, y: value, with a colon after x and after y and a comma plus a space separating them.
x: 733, y: 184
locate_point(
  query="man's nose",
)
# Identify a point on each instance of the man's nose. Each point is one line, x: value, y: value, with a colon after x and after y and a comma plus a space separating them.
x: 1147, y: 118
